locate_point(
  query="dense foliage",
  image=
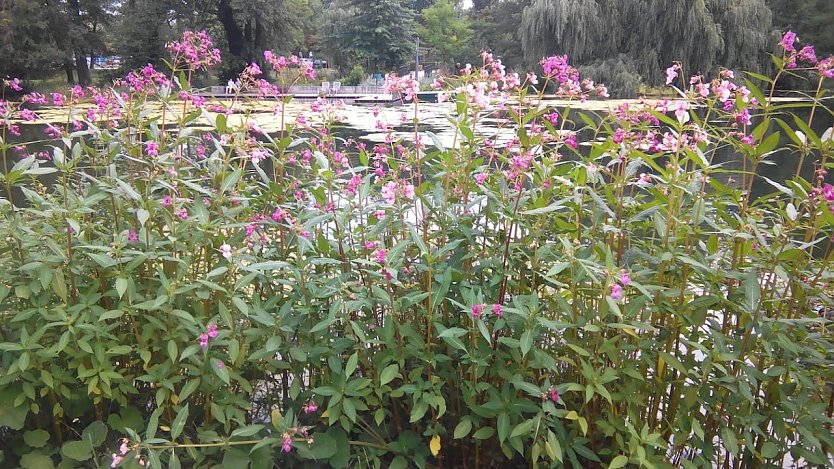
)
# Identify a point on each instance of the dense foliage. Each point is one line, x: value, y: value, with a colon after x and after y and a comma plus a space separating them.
x: 580, y: 290
x: 618, y: 42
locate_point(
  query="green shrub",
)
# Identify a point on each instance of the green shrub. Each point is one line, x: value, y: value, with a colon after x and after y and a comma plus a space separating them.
x: 356, y: 76
x: 213, y: 298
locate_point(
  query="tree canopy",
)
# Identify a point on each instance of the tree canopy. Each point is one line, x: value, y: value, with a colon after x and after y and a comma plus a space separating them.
x: 625, y: 43
x: 646, y: 36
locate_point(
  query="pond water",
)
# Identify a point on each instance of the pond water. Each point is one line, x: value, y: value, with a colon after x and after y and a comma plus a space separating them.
x: 359, y: 122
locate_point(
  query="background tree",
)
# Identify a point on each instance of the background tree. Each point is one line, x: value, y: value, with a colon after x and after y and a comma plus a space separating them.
x: 30, y: 38
x: 380, y: 32
x: 497, y: 28
x: 811, y: 20
x: 142, y: 32
x: 444, y: 32
x: 631, y: 42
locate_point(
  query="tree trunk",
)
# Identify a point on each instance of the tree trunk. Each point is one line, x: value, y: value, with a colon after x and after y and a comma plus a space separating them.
x: 234, y: 35
x: 68, y: 68
x: 82, y: 69
x: 80, y: 60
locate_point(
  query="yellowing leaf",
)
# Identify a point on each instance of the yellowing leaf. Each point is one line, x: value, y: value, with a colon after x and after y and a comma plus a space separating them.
x: 276, y: 417
x: 434, y: 445
x: 572, y: 415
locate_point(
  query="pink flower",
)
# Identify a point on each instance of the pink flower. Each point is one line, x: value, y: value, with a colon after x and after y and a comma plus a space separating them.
x: 672, y: 73
x: 310, y: 407
x: 496, y: 310
x: 28, y: 115
x: 286, y: 445
x: 389, y: 192
x: 743, y: 117
x: 808, y: 54
x: 682, y: 111
x: 132, y: 236
x: 748, y: 139
x: 167, y: 201
x: 408, y: 191
x: 826, y: 67
x: 571, y: 141
x: 196, y: 50
x: 123, y: 448
x: 14, y: 84
x: 476, y: 311
x: 369, y: 245
x: 204, y: 341
x: 58, y: 99
x: 52, y: 131
x: 152, y: 148
x: 480, y: 178
x: 625, y: 278
x: 616, y: 292
x: 553, y: 394
x: 182, y: 213
x: 788, y: 41
x: 380, y: 254
x: 220, y: 364
x: 116, y: 460
x: 212, y: 330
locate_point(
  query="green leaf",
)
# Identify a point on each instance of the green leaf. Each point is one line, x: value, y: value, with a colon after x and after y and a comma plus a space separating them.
x: 179, y: 422
x: 752, y: 291
x: 36, y: 461
x: 618, y: 462
x: 78, y: 450
x: 523, y: 428
x: 36, y: 438
x: 398, y: 463
x: 221, y: 371
x: 526, y: 342
x: 351, y: 365
x: 503, y: 425
x: 323, y: 447
x: 728, y: 438
x: 95, y: 433
x: 388, y: 374
x: 247, y: 431
x: 484, y: 433
x: 463, y: 428
x: 174, y: 460
x: 121, y: 286
x: 769, y: 450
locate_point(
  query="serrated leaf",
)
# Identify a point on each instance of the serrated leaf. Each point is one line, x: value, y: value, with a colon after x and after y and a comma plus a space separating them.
x: 179, y: 422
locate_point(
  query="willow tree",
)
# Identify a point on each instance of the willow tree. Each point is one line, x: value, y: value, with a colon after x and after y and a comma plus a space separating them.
x: 632, y: 41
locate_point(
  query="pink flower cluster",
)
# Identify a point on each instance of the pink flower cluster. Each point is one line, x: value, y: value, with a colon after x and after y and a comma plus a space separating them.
x: 617, y: 288
x: 144, y: 80
x: 557, y: 69
x: 807, y: 54
x: 826, y: 193
x: 196, y: 50
x: 478, y: 310
x: 406, y: 85
x: 124, y: 447
x: 14, y: 84
x: 211, y: 333
x: 391, y: 189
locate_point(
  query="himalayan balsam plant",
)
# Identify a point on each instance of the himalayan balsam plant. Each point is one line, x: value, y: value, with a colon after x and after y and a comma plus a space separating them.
x: 180, y: 288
